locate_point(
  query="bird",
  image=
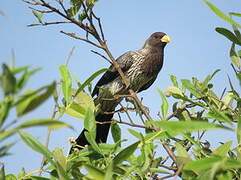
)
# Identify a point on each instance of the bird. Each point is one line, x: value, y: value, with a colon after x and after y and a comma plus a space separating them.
x: 140, y: 67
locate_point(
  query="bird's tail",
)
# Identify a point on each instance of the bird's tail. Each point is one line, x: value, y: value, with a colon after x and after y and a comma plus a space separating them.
x: 102, y: 131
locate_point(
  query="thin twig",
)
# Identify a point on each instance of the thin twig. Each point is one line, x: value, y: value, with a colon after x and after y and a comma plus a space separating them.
x: 70, y: 55
x: 82, y: 39
x: 48, y: 138
x: 121, y: 110
x: 41, y: 11
x: 100, y: 25
x: 126, y: 123
x: 58, y: 22
x: 62, y: 5
x: 32, y: 3
x: 127, y: 113
x: 168, y: 167
x: 101, y: 55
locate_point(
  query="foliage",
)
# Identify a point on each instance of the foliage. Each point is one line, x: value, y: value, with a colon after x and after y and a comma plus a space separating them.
x: 179, y: 131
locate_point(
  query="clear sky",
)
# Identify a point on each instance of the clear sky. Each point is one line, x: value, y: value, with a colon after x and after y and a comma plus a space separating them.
x: 196, y: 50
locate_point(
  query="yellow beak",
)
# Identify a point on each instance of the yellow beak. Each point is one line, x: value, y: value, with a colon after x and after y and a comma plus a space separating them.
x: 166, y: 39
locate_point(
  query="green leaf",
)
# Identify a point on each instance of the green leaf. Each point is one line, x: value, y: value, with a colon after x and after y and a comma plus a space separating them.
x: 125, y: 153
x: 82, y: 16
x: 164, y: 106
x: 239, y: 53
x: 237, y: 33
x: 4, y: 149
x: 135, y: 133
x: 5, y: 107
x: 174, y: 80
x: 116, y: 132
x: 89, y: 121
x: 94, y: 173
x: 38, y: 15
x: 50, y: 123
x: 223, y: 149
x: 202, y: 164
x: 155, y: 135
x: 220, y: 14
x: 66, y: 82
x: 182, y: 156
x: 235, y: 14
x: 228, y: 34
x: 34, y: 144
x: 218, y: 115
x: 188, y: 85
x: 234, y: 57
x: 59, y: 157
x: 32, y: 99
x: 11, y: 177
x: 39, y: 178
x: 91, y: 139
x: 172, y: 91
x: 31, y: 25
x: 19, y: 70
x: 78, y: 107
x: 7, y: 81
x: 7, y: 133
x: 25, y: 77
x: 90, y: 79
x: 76, y: 5
x: 238, y: 130
x: 109, y: 172
x: 185, y: 126
x: 2, y: 172
x: 61, y: 164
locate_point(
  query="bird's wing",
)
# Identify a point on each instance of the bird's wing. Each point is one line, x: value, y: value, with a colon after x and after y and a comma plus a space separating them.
x: 148, y: 84
x: 125, y: 61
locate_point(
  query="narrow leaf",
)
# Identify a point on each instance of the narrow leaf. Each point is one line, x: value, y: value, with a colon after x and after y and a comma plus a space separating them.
x: 219, y: 13
x: 38, y: 15
x: 66, y: 82
x: 228, y: 34
x: 94, y: 173
x: 234, y: 57
x: 164, y: 106
x: 34, y: 144
x: 50, y: 123
x: 125, y: 153
x: 7, y: 81
x: 235, y: 14
x: 90, y: 79
x: 185, y: 126
x: 32, y: 100
x: 223, y: 149
x: 188, y: 85
x: 116, y: 132
x: 2, y: 172
x: 202, y: 164
x: 89, y: 121
x: 238, y: 130
x: 174, y: 80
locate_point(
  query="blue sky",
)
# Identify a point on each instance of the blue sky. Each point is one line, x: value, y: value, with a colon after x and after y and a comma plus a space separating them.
x: 196, y: 50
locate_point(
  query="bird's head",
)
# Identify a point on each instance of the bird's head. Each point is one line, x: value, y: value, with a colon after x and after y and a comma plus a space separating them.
x: 157, y: 39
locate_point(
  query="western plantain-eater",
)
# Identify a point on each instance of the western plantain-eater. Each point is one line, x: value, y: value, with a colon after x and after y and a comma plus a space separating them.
x: 140, y: 67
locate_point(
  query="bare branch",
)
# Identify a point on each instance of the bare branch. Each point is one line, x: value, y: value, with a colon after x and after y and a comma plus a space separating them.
x: 70, y: 55
x: 82, y: 39
x: 101, y: 55
x: 41, y: 11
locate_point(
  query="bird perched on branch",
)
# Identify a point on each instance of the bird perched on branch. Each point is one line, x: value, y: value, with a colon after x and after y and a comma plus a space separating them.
x: 140, y: 67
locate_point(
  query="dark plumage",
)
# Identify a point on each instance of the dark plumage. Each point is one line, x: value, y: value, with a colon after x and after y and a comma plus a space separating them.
x: 141, y: 67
